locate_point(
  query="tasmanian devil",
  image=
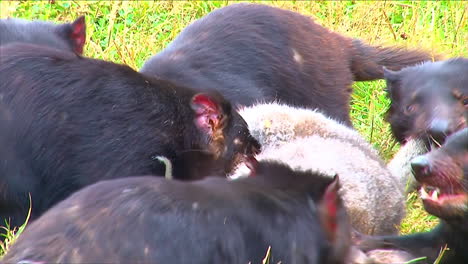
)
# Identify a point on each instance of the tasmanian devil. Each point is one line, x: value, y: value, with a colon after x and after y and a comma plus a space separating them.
x: 68, y: 121
x: 298, y: 214
x: 67, y: 36
x: 443, y: 176
x: 252, y: 52
x: 428, y: 101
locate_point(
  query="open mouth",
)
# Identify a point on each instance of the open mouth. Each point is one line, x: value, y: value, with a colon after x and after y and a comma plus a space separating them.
x: 441, y: 197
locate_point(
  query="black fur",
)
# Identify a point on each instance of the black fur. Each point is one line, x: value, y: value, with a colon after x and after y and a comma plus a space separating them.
x: 447, y: 169
x: 428, y: 101
x: 68, y: 121
x: 151, y: 220
x: 252, y: 52
x: 67, y: 36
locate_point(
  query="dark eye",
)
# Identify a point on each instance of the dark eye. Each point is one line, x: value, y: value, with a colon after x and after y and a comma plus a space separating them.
x: 465, y: 101
x: 411, y: 109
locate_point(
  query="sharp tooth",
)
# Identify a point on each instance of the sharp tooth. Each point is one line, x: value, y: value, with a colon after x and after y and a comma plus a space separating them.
x: 435, y: 194
x: 424, y: 194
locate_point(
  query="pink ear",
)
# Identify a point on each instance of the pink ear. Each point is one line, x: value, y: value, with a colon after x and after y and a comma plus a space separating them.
x: 329, y: 206
x: 78, y: 34
x: 207, y: 112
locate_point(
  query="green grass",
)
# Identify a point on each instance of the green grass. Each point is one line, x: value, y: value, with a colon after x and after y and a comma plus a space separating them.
x: 12, y: 233
x: 131, y: 31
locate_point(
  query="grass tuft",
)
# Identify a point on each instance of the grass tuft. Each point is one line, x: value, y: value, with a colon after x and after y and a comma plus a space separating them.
x: 12, y: 233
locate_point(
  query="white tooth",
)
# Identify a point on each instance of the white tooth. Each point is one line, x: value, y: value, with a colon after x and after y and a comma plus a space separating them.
x: 424, y: 194
x: 435, y: 195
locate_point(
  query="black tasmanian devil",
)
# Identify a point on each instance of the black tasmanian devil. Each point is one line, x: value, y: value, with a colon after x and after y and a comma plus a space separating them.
x: 68, y: 121
x: 443, y: 176
x: 66, y: 36
x: 298, y: 214
x: 428, y: 101
x: 252, y: 52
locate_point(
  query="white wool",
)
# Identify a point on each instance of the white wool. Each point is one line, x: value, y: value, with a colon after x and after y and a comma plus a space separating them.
x: 400, y: 164
x: 389, y: 256
x: 306, y: 139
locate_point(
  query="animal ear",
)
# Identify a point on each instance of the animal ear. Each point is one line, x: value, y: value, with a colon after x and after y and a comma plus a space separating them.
x: 393, y: 83
x: 390, y: 76
x: 328, y: 209
x: 208, y: 113
x: 211, y: 119
x: 76, y: 33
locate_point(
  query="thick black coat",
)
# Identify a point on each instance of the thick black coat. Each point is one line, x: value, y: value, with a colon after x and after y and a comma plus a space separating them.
x: 252, y: 52
x: 68, y: 121
x: 152, y: 220
x: 446, y: 169
x: 66, y: 36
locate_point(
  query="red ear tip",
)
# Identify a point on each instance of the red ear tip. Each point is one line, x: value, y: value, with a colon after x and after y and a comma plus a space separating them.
x: 79, y: 20
x: 78, y: 34
x: 79, y: 26
x: 331, y: 195
x: 206, y: 101
x: 201, y: 98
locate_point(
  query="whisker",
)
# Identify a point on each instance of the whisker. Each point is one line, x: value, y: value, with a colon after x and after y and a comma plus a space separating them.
x: 434, y: 141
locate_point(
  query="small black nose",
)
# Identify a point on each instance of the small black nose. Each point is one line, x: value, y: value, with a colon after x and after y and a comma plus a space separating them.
x: 421, y: 167
x: 439, y: 129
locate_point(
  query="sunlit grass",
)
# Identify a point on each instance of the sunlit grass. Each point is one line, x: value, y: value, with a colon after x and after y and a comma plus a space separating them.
x: 12, y: 233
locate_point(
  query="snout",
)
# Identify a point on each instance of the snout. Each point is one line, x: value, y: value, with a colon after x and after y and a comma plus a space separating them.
x: 421, y: 167
x: 255, y: 147
x: 439, y: 129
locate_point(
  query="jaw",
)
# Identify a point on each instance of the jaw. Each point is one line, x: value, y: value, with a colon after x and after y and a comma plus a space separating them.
x: 444, y: 203
x: 433, y: 141
x: 430, y: 143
